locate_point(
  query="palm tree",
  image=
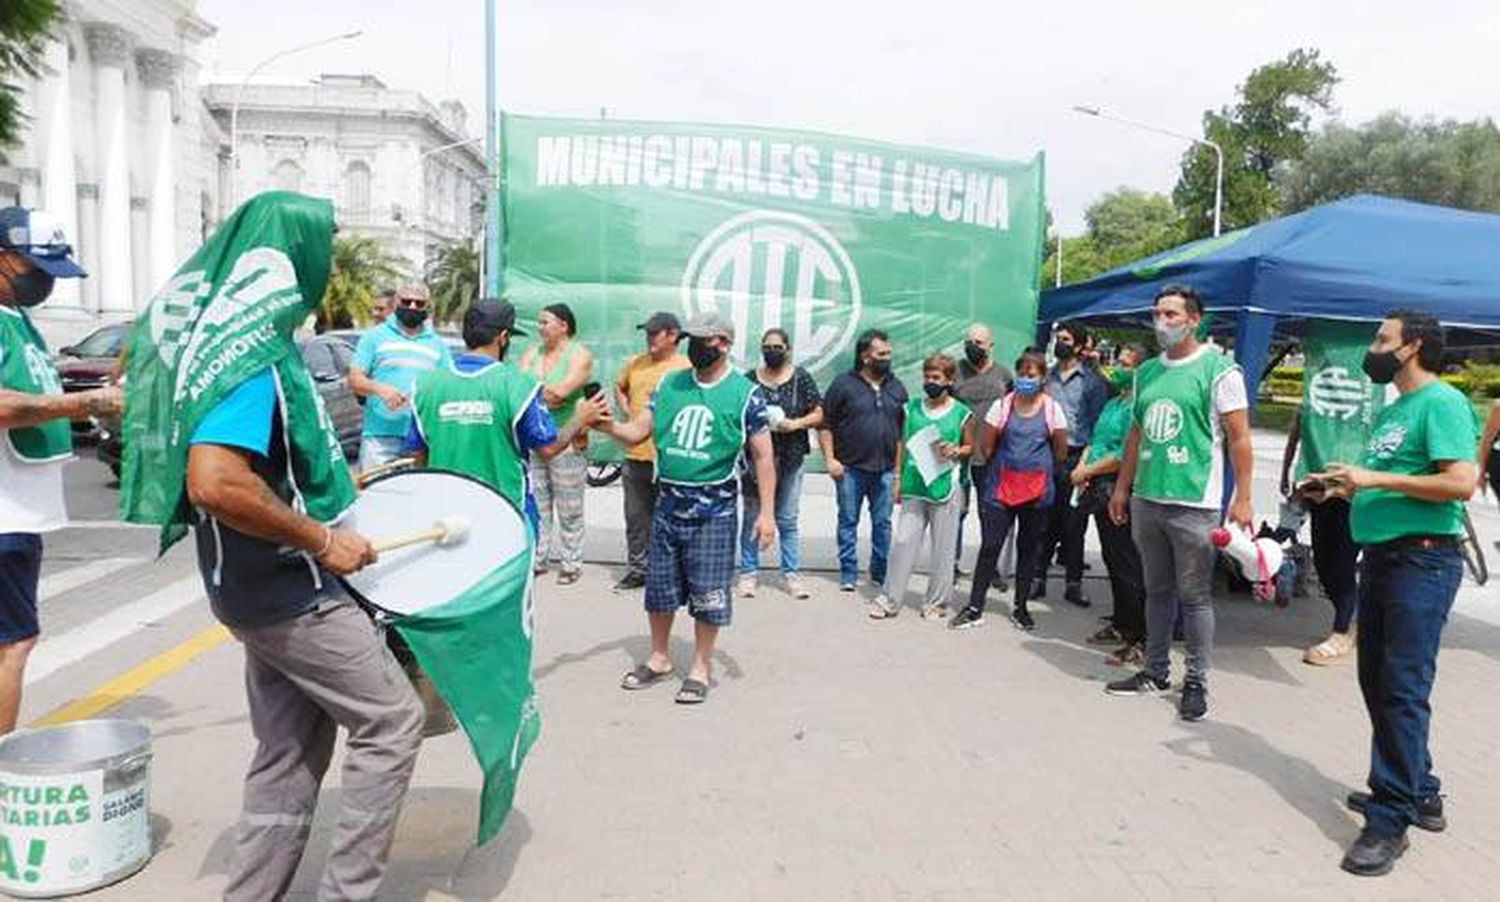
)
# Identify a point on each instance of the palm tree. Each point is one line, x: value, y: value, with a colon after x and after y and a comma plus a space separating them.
x: 453, y: 279
x: 360, y: 266
x: 24, y: 25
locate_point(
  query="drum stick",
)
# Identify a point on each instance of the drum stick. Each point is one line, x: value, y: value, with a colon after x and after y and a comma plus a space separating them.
x: 445, y: 532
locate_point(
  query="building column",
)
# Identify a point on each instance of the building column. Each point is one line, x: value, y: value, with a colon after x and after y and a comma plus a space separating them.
x: 141, y: 288
x: 59, y: 166
x: 158, y: 71
x: 88, y: 235
x: 108, y: 48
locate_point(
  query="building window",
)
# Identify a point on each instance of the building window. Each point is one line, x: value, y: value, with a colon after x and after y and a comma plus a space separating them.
x: 287, y: 176
x: 357, y: 189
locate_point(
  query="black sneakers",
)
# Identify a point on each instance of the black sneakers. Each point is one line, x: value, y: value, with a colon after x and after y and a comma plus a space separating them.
x: 1021, y: 617
x: 1429, y: 811
x: 1372, y: 854
x: 966, y: 618
x: 1073, y: 595
x: 1194, y: 702
x: 630, y: 581
x: 1142, y: 683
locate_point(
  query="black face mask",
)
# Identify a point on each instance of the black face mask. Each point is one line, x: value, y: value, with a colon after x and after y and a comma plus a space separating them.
x: 774, y: 359
x: 702, y: 354
x: 935, y: 390
x: 1381, y: 366
x: 410, y: 318
x: 30, y: 288
x: 1062, y: 350
x: 975, y: 354
x: 879, y: 367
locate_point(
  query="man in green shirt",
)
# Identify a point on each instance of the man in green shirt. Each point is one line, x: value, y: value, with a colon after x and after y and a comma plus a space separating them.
x: 1190, y: 406
x: 1408, y: 495
x: 482, y: 417
x: 1093, y: 482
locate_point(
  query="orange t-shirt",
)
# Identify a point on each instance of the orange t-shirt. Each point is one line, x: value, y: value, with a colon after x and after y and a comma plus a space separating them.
x: 638, y: 380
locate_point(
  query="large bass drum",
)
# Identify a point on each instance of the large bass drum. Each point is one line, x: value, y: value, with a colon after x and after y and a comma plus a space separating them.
x: 421, y: 577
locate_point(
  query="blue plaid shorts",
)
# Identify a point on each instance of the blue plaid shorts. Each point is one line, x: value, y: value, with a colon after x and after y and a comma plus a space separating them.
x: 691, y: 562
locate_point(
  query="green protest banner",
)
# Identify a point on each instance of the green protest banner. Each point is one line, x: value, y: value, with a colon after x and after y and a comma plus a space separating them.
x: 1339, y: 402
x: 820, y: 235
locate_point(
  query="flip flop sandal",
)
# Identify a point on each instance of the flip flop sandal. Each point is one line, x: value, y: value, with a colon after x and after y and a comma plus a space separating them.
x: 643, y: 677
x: 693, y: 692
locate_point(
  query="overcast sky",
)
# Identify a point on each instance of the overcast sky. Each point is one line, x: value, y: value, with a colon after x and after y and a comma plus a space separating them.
x: 994, y: 78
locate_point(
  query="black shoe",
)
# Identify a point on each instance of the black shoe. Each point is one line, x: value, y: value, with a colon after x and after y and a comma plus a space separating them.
x: 1022, y: 618
x: 966, y: 618
x: 1373, y: 855
x: 630, y: 581
x: 1429, y: 811
x: 1000, y: 585
x: 1107, y: 636
x: 1038, y: 589
x: 1194, y: 702
x: 1073, y: 595
x: 1142, y: 683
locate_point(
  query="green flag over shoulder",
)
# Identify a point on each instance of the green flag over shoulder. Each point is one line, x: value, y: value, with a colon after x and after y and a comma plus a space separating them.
x: 228, y: 314
x: 1339, y: 402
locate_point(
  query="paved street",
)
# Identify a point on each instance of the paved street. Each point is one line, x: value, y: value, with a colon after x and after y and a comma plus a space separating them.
x: 836, y: 758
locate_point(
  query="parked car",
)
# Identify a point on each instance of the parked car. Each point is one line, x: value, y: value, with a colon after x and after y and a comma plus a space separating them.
x: 91, y: 364
x: 327, y: 359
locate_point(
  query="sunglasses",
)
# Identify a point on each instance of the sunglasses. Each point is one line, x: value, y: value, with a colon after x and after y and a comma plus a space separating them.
x: 412, y: 303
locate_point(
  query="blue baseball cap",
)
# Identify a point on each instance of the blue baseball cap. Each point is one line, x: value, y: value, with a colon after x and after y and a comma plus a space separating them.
x: 40, y: 238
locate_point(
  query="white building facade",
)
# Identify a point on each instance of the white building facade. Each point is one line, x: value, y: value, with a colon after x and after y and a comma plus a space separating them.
x: 121, y: 150
x: 398, y: 168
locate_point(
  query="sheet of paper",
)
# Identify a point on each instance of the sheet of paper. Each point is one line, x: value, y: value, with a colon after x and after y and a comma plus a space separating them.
x: 922, y: 448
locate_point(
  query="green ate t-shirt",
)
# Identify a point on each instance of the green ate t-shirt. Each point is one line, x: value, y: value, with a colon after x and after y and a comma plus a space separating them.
x: 1410, y: 436
x: 1110, y: 431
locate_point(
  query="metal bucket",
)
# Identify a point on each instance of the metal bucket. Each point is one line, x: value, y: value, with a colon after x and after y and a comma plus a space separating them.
x: 75, y: 809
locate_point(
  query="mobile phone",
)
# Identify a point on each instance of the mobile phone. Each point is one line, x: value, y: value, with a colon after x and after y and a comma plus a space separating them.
x: 591, y: 389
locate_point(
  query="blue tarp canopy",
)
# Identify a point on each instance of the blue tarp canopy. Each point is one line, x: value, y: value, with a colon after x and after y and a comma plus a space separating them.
x: 1353, y: 259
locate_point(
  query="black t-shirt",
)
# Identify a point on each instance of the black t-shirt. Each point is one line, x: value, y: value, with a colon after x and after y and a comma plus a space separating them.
x: 796, y: 396
x: 865, y: 421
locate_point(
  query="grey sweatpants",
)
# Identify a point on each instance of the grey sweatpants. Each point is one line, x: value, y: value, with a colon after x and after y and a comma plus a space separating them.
x: 305, y: 678
x: 918, y: 515
x: 1177, y: 559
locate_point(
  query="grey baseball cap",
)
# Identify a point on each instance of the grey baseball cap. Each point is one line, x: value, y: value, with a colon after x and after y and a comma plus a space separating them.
x: 709, y: 324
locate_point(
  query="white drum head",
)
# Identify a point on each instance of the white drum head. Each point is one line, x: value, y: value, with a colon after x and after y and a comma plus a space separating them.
x: 420, y: 577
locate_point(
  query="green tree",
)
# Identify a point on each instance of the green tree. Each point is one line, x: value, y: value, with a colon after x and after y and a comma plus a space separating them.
x: 1123, y: 225
x: 453, y: 279
x: 1456, y: 164
x: 360, y: 266
x: 1266, y: 130
x: 24, y: 26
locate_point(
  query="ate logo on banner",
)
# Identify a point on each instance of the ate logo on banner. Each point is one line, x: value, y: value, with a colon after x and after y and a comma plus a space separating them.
x: 1333, y: 392
x: 769, y: 269
x: 692, y: 428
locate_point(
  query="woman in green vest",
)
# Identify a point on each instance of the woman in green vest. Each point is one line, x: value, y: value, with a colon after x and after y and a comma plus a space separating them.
x: 938, y: 434
x: 563, y: 366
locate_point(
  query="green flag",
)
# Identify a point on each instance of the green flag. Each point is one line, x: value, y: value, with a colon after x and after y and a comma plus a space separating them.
x: 820, y: 235
x: 228, y: 314
x: 477, y: 651
x: 1339, y: 402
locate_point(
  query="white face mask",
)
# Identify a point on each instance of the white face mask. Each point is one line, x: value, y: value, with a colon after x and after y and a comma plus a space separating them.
x: 1171, y: 336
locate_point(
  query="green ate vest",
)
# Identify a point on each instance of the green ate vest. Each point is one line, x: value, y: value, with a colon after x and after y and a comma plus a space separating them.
x: 1174, y: 409
x: 950, y: 427
x: 564, y: 411
x: 699, y: 429
x: 468, y: 421
x: 25, y: 367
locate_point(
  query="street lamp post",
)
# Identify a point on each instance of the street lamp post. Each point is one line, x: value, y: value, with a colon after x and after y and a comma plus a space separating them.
x: 234, y: 111
x: 1218, y: 152
x: 494, y: 218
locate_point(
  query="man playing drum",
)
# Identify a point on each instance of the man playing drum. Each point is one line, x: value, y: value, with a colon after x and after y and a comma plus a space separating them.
x: 482, y: 417
x: 701, y: 420
x: 260, y: 456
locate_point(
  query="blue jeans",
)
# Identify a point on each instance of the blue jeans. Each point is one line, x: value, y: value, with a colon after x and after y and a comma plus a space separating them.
x: 875, y: 488
x: 1404, y: 598
x: 788, y: 505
